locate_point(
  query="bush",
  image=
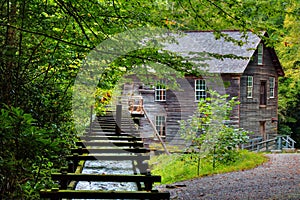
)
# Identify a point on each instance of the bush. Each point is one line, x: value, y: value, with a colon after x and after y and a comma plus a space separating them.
x: 25, y: 156
x: 208, y: 135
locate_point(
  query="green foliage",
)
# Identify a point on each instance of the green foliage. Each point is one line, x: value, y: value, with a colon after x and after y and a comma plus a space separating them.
x: 206, y: 133
x: 179, y: 167
x: 289, y: 86
x: 26, y: 156
x: 228, y: 139
x: 103, y: 98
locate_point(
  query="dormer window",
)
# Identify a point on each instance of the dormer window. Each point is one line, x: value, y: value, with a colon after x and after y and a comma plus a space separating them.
x: 260, y: 51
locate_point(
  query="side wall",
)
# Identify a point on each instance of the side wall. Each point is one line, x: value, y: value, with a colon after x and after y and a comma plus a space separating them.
x: 180, y: 104
x: 253, y: 116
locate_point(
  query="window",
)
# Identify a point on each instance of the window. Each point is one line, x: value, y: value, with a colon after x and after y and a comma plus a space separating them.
x: 260, y: 54
x: 160, y: 91
x: 272, y: 87
x: 160, y: 124
x: 200, y: 89
x: 249, y: 86
x: 263, y: 93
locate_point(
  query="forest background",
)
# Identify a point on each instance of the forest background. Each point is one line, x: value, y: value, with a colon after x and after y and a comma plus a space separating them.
x: 43, y: 45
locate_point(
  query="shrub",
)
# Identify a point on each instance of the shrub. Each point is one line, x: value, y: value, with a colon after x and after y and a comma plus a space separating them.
x: 208, y: 135
x: 25, y: 155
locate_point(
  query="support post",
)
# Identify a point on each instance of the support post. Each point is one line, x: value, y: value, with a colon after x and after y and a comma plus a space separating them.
x: 91, y: 120
x: 118, y: 118
x: 279, y: 142
x: 156, y: 133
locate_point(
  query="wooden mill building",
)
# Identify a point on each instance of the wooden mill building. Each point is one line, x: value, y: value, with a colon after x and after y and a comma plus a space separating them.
x: 253, y: 80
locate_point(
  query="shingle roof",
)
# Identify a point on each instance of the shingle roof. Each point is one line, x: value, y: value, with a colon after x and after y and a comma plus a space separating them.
x: 198, y: 41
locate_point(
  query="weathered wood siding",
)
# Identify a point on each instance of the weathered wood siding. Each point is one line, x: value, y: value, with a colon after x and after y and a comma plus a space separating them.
x: 179, y: 105
x: 251, y: 113
x: 232, y: 88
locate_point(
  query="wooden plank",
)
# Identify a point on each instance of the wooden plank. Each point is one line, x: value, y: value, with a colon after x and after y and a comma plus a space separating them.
x: 98, y: 194
x: 114, y: 137
x: 77, y: 158
x: 111, y: 133
x: 103, y: 143
x: 110, y: 150
x: 112, y: 129
x: 105, y: 178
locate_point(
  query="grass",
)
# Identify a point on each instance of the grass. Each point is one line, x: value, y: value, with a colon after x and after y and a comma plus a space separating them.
x: 179, y: 167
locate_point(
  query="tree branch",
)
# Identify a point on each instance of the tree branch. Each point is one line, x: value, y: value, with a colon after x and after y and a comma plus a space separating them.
x: 48, y: 36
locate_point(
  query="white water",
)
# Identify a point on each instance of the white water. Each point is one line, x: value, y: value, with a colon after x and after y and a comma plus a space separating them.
x: 107, y: 167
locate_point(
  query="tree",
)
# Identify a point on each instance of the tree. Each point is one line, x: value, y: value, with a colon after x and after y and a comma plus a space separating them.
x: 206, y: 133
x: 289, y: 54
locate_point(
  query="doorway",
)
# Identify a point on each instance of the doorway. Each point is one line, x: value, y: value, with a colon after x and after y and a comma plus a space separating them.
x: 262, y: 125
x: 263, y: 93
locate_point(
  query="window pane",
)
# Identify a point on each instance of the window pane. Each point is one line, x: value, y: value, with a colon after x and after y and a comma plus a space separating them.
x: 272, y: 87
x: 260, y: 54
x: 160, y: 91
x: 249, y: 86
x: 200, y: 89
x: 160, y: 123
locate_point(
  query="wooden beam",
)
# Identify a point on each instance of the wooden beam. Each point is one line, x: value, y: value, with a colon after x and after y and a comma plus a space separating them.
x: 97, y: 194
x: 105, y: 178
x: 106, y: 143
x: 111, y: 133
x: 103, y: 137
x: 157, y: 134
x: 77, y: 158
x: 110, y: 150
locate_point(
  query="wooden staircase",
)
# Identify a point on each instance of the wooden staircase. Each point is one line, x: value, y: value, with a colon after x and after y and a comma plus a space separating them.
x: 103, y: 142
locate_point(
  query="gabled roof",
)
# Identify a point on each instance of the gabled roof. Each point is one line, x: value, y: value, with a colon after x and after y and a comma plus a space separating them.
x: 205, y: 41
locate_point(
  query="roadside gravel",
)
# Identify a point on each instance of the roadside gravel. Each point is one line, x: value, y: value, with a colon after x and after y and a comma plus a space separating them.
x: 277, y: 179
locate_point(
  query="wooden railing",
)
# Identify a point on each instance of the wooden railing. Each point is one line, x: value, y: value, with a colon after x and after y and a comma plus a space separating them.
x: 276, y: 143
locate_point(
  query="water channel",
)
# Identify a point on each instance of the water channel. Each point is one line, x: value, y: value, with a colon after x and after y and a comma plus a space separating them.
x: 107, y: 167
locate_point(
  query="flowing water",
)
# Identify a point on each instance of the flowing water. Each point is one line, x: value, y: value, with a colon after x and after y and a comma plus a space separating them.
x: 107, y: 167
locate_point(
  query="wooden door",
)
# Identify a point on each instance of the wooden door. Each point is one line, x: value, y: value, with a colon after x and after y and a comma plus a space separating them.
x: 263, y: 93
x: 263, y: 129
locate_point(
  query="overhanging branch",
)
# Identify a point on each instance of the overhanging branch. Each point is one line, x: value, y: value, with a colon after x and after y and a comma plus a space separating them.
x: 48, y: 36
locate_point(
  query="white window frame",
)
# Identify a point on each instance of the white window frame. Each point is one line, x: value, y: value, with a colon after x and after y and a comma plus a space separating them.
x: 200, y: 89
x: 249, y: 87
x: 272, y: 87
x: 260, y: 54
x: 160, y: 125
x: 160, y: 91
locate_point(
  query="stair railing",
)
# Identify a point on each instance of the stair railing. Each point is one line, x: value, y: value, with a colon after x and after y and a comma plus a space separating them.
x: 279, y: 142
x: 289, y: 142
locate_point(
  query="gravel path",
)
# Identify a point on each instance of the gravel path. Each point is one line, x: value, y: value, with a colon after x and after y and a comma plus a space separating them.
x: 277, y: 179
